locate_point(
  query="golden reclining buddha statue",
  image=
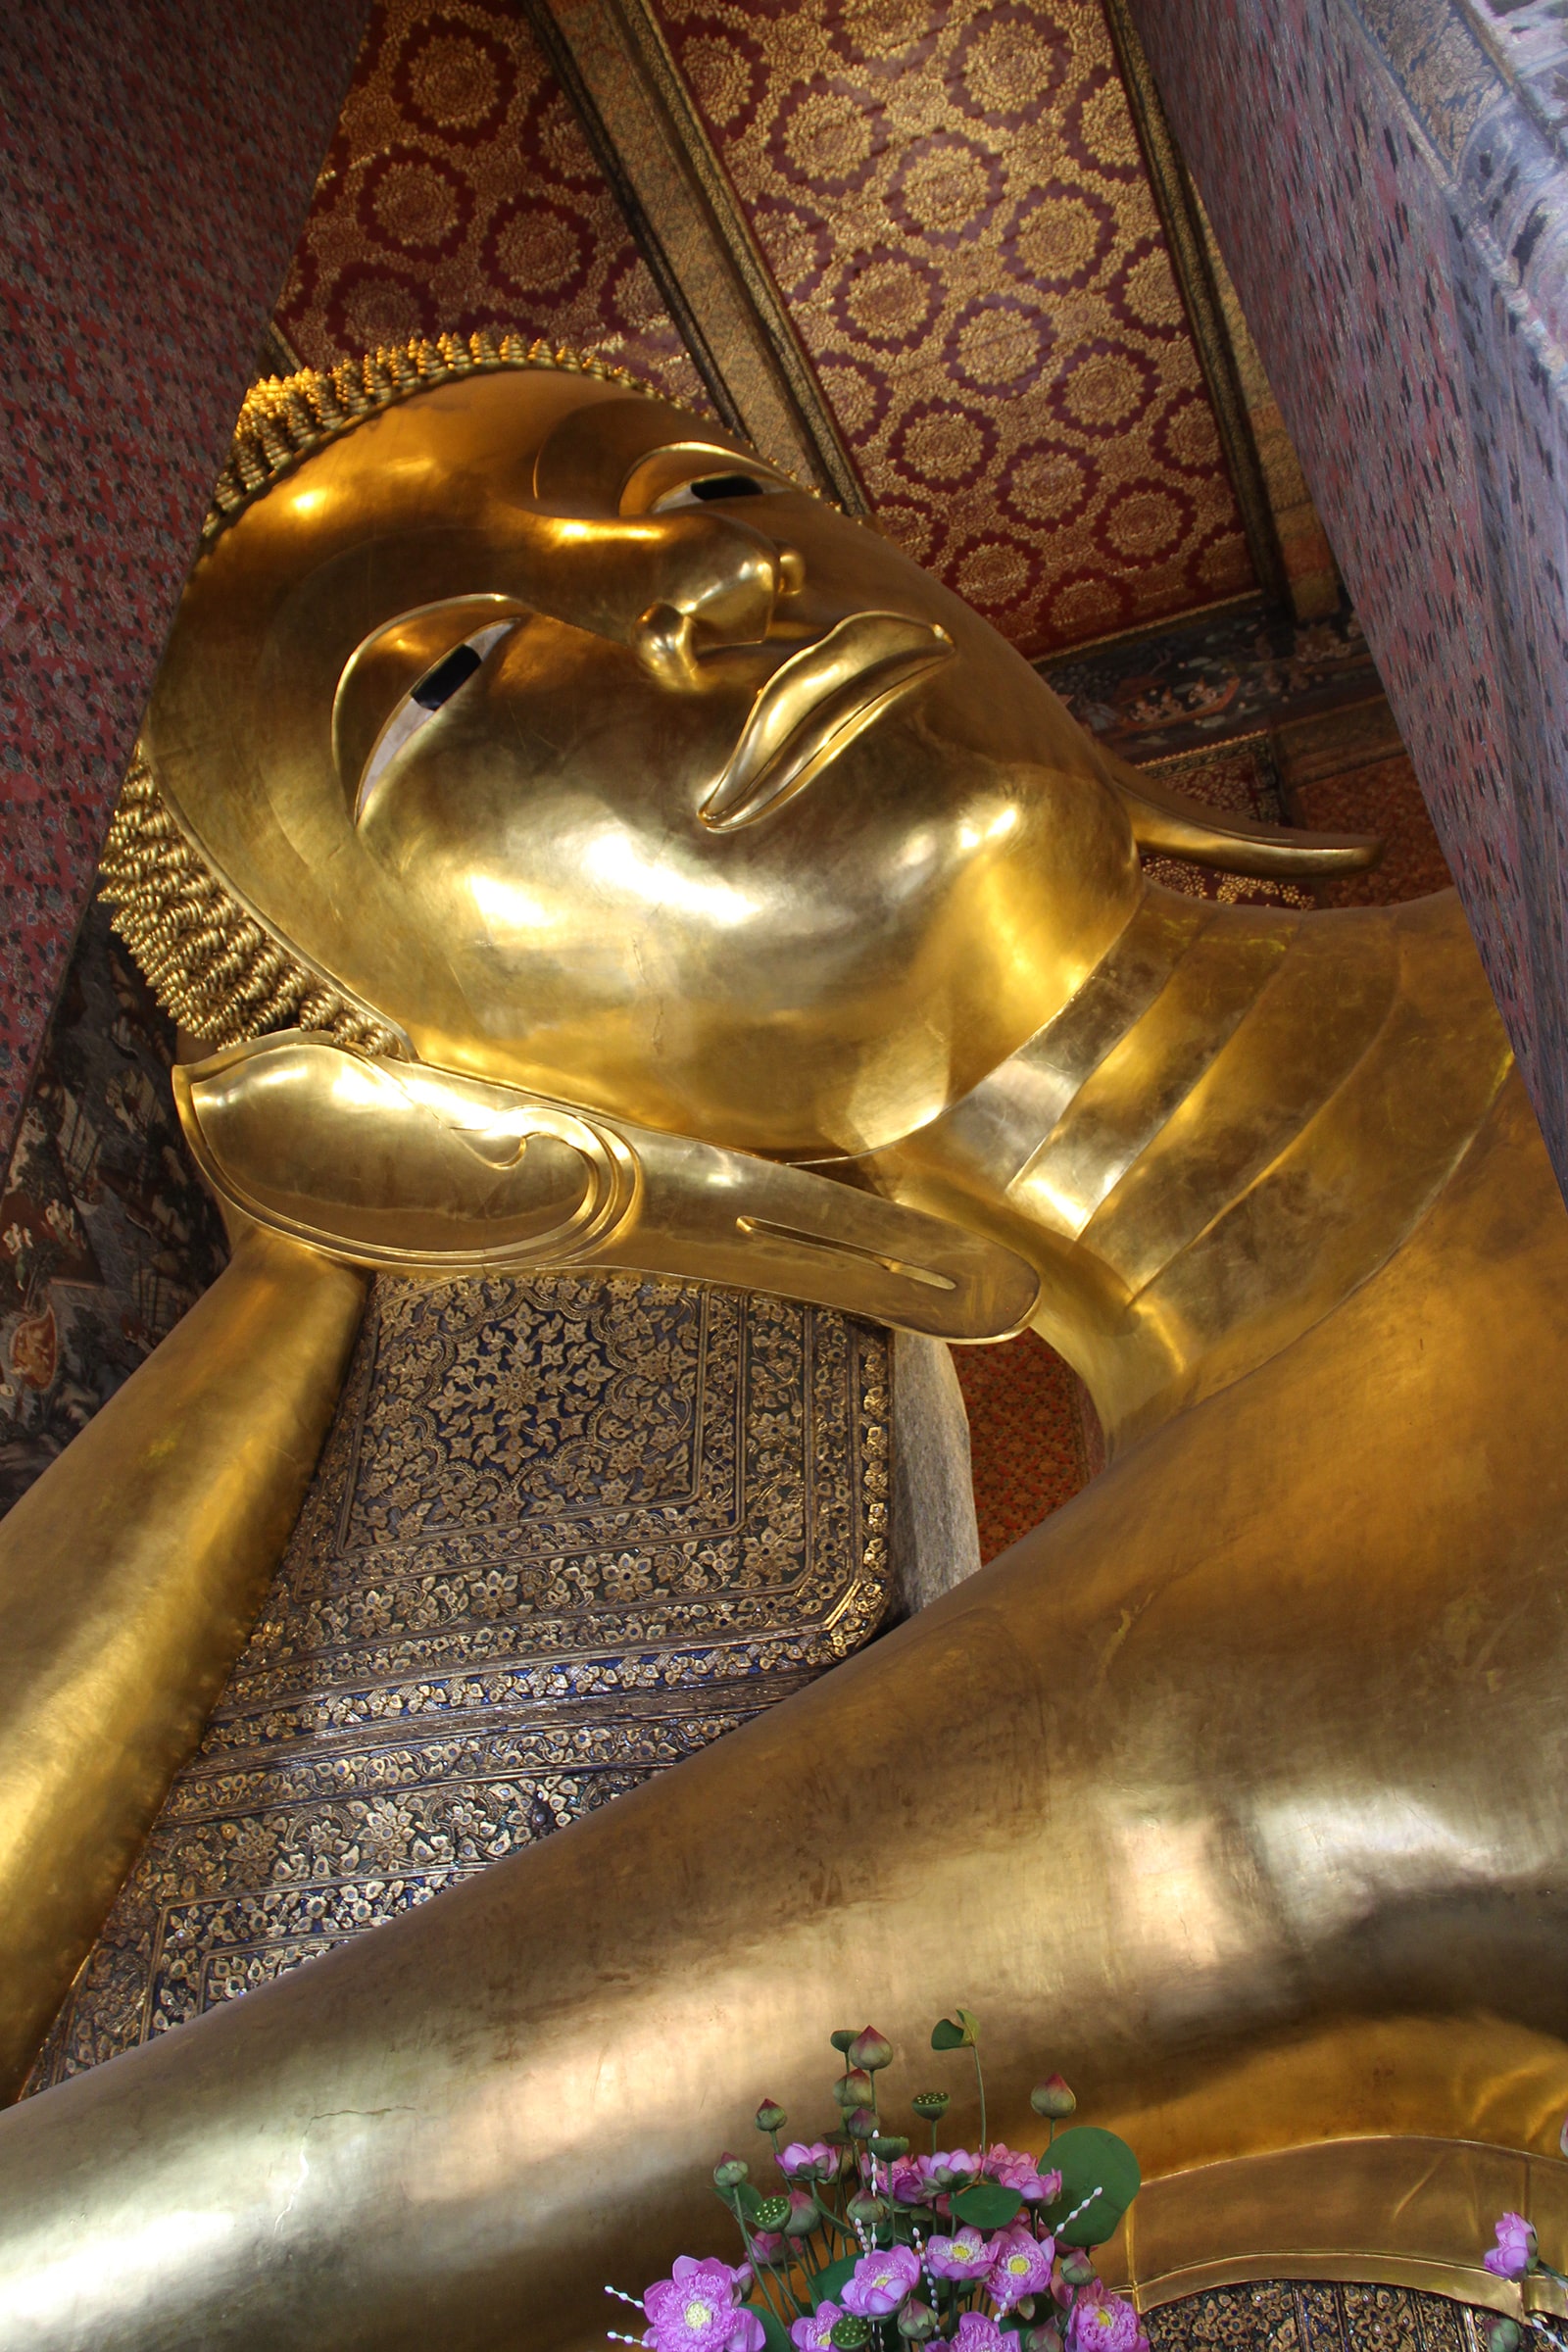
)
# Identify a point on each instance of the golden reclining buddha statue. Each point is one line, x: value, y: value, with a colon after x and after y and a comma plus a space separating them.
x: 577, y: 845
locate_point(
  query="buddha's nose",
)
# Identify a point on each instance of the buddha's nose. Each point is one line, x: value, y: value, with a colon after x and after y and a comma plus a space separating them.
x: 720, y: 583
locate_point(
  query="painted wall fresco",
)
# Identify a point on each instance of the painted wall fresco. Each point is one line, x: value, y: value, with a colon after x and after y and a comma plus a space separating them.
x: 106, y: 1233
x: 1389, y: 188
x: 147, y: 229
x: 955, y: 206
x: 460, y: 193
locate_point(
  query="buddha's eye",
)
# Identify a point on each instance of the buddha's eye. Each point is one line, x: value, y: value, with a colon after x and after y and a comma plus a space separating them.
x: 430, y: 693
x: 708, y: 487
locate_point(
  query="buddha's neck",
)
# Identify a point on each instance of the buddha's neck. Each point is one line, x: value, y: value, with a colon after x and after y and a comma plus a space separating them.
x: 1235, y: 1120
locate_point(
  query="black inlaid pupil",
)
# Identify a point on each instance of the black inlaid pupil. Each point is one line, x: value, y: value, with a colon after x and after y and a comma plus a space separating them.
x: 440, y: 684
x: 727, y: 485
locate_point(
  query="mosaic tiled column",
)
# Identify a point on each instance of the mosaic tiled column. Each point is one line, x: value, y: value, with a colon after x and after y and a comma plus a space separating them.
x: 1387, y: 183
x: 156, y: 162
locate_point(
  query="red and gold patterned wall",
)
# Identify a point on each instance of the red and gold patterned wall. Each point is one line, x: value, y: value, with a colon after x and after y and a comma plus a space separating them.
x: 955, y: 206
x: 460, y: 193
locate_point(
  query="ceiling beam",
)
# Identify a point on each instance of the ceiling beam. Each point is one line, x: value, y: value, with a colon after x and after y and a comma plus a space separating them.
x: 612, y: 60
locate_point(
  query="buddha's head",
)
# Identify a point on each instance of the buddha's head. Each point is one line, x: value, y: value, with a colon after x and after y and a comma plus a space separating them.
x: 534, y: 720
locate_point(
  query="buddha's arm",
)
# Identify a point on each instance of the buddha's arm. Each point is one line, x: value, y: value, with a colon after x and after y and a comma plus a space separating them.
x: 129, y: 1575
x: 1252, y: 1745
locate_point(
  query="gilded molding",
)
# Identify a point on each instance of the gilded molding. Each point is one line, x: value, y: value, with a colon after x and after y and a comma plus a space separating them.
x: 649, y: 140
x: 1176, y: 201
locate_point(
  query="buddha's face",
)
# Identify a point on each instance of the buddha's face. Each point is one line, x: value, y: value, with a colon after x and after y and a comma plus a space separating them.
x: 602, y: 761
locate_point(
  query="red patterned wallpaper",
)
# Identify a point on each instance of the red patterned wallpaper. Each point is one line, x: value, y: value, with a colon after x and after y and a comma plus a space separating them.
x: 460, y: 193
x: 156, y: 161
x: 952, y: 201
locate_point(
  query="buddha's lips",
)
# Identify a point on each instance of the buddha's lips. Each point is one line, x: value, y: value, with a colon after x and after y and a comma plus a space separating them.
x: 816, y: 704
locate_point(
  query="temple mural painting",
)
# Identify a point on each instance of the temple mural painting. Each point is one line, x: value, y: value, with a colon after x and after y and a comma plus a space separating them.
x: 107, y: 1233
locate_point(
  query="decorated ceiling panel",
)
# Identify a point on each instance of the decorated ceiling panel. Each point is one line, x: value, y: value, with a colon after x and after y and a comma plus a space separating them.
x: 460, y: 193
x: 954, y: 201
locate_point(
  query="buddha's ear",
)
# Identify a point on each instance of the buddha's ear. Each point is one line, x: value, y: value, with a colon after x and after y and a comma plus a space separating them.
x: 1168, y: 823
x: 428, y: 1172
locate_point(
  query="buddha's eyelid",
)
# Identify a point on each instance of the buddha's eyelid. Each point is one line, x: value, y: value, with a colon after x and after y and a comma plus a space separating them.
x: 410, y: 715
x: 682, y: 492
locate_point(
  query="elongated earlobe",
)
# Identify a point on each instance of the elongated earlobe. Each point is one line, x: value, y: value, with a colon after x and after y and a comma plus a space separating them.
x: 1168, y: 824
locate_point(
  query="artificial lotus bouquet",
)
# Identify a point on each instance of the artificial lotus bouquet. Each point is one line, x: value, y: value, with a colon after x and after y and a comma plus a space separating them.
x: 866, y: 2242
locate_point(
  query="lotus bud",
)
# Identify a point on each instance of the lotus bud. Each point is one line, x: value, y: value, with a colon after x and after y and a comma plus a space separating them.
x: 1053, y: 2098
x: 1076, y: 2267
x: 870, y: 2049
x: 917, y: 2322
x: 1503, y: 2336
x: 771, y: 2116
x: 887, y: 2146
x: 850, y: 2334
x: 1045, y: 2338
x: 868, y: 2210
x: 855, y: 2089
x: 860, y: 2123
x: 803, y: 2215
x: 931, y: 2105
x: 772, y: 2213
x: 729, y: 2172
x: 842, y: 2039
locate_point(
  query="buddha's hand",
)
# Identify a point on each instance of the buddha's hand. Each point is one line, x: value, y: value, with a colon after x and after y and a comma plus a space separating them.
x: 426, y: 1171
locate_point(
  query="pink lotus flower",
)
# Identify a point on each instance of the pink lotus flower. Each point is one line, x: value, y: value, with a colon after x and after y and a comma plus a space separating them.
x: 1020, y: 2265
x: 814, y: 2333
x: 906, y: 2180
x: 1015, y: 2170
x: 767, y: 2245
x: 1102, y: 2321
x: 977, y: 2333
x: 814, y: 2157
x: 1515, y: 2249
x: 881, y: 2282
x: 965, y: 2256
x: 749, y: 2335
x: 694, y: 2311
x: 949, y: 2167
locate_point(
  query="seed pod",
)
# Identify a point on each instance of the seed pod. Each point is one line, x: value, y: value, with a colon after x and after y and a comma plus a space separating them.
x: 850, y: 2334
x: 772, y: 2213
x: 931, y: 2105
x: 886, y: 2148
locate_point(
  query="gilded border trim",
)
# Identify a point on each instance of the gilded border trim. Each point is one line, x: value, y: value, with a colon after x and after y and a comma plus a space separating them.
x: 1176, y: 202
x: 1381, y: 2210
x: 617, y: 67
